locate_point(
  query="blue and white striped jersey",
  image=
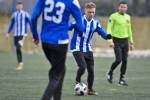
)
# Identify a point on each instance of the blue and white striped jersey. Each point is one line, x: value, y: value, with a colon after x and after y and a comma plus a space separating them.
x: 20, y: 19
x: 83, y: 43
x: 55, y: 20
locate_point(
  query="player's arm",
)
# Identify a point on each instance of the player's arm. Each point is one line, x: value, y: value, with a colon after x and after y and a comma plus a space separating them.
x: 76, y: 12
x: 28, y: 19
x: 110, y: 26
x: 130, y: 36
x: 130, y: 33
x: 10, y: 26
x: 72, y: 25
x: 11, y: 23
x: 36, y: 13
x: 101, y: 32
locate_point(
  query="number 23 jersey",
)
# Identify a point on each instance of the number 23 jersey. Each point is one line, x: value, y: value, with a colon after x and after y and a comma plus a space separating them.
x: 55, y: 18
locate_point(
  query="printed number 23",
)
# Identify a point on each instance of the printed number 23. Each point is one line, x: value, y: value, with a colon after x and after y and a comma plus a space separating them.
x: 59, y: 12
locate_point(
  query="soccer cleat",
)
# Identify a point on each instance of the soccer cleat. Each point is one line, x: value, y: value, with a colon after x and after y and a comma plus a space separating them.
x: 19, y: 67
x: 122, y: 83
x: 109, y: 77
x: 92, y: 92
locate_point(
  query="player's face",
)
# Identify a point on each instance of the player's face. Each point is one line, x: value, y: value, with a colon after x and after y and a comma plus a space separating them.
x: 122, y: 8
x: 89, y: 13
x: 19, y: 7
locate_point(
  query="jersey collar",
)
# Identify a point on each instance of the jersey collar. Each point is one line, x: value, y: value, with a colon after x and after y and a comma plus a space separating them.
x: 87, y: 20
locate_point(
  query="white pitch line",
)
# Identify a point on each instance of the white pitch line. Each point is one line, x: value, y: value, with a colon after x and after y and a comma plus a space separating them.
x: 113, y: 89
x: 69, y: 78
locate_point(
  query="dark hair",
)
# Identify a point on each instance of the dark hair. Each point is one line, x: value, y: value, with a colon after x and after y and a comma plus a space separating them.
x: 19, y: 3
x: 122, y: 2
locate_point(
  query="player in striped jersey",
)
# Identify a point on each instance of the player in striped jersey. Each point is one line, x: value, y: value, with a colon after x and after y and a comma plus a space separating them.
x: 81, y: 48
x: 20, y: 18
x: 54, y: 38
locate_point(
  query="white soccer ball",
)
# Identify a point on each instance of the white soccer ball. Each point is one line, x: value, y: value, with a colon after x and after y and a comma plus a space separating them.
x: 80, y: 89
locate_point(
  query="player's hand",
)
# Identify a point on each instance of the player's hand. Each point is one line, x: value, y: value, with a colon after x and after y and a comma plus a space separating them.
x: 111, y: 45
x: 7, y: 36
x: 31, y: 36
x: 109, y: 36
x: 36, y: 41
x: 131, y: 47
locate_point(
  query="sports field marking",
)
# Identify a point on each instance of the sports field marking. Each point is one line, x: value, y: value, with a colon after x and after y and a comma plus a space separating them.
x: 113, y: 89
x: 68, y: 78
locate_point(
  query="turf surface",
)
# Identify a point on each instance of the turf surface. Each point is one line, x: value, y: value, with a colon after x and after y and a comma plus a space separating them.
x: 30, y: 83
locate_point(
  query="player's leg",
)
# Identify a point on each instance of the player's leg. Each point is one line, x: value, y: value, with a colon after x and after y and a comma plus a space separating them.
x: 18, y: 41
x: 90, y: 68
x: 57, y: 94
x: 80, y: 60
x: 62, y: 58
x: 125, y: 50
x: 56, y: 54
x: 118, y: 56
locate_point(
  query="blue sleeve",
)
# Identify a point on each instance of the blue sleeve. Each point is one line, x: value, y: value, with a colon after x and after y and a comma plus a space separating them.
x: 11, y: 24
x: 28, y: 20
x: 36, y: 13
x: 72, y: 25
x: 101, y: 32
x: 76, y: 12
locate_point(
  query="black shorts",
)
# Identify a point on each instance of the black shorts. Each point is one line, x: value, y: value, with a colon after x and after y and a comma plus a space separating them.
x: 56, y: 54
x: 84, y: 59
x: 18, y: 41
x: 121, y: 45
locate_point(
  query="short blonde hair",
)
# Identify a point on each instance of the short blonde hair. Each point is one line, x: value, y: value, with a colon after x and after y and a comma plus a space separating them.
x: 90, y: 5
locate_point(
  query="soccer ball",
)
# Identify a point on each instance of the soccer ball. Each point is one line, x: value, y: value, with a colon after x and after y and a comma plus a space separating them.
x: 80, y: 89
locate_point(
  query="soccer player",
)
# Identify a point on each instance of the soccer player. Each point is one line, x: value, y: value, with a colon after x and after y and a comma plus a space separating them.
x: 20, y: 18
x: 81, y: 48
x: 54, y: 38
x: 119, y: 25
